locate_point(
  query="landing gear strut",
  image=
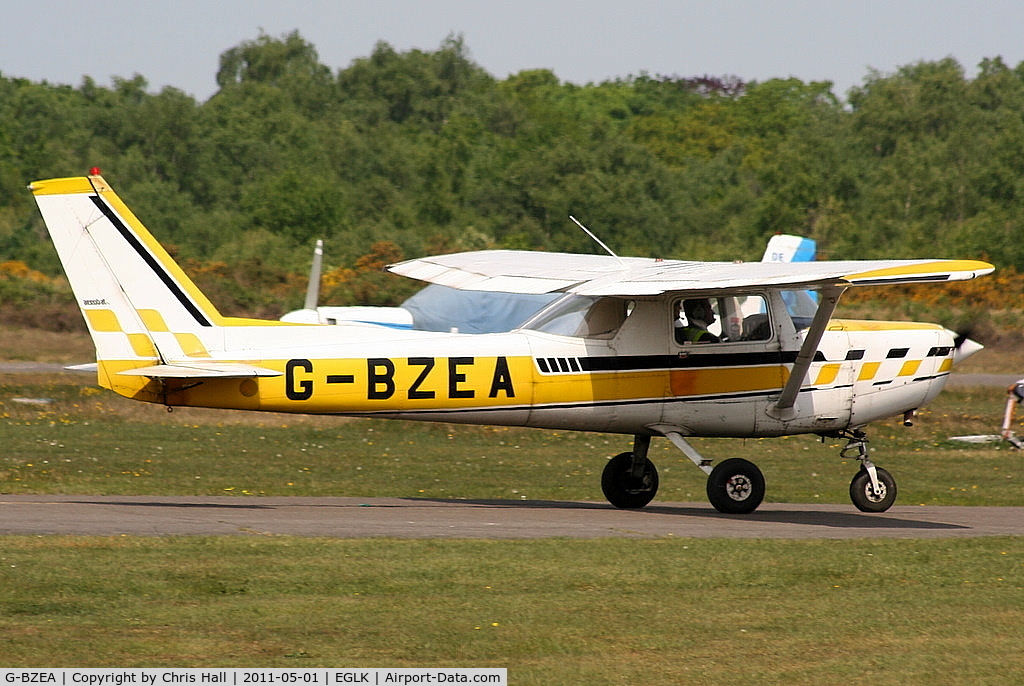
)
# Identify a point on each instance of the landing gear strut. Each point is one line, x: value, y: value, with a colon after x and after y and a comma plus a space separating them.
x: 735, y: 486
x: 872, y: 489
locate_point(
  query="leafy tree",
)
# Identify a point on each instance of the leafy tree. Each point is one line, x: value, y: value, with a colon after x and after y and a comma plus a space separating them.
x: 409, y: 152
x: 288, y: 63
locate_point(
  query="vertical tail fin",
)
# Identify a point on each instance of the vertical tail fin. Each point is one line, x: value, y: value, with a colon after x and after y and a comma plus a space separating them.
x: 788, y: 248
x: 140, y: 307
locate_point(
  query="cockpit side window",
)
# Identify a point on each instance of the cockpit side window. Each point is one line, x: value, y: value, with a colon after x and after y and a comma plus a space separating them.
x: 801, y: 306
x: 582, y: 317
x: 722, y: 319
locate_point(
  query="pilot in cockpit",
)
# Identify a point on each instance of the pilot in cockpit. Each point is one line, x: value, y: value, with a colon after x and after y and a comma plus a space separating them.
x: 698, y: 317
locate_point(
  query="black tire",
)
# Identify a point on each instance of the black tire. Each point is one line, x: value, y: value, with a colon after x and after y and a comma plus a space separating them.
x: 622, y: 489
x: 736, y: 486
x: 863, y: 496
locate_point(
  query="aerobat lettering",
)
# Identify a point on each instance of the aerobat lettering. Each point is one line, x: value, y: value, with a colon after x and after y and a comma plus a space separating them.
x: 415, y: 378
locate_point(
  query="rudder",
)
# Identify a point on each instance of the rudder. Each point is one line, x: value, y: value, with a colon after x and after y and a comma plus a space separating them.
x: 140, y: 307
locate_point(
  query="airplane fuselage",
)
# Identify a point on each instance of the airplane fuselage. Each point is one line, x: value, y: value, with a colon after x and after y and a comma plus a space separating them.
x: 540, y: 380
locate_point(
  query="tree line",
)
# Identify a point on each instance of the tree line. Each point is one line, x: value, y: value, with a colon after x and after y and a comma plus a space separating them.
x: 407, y: 153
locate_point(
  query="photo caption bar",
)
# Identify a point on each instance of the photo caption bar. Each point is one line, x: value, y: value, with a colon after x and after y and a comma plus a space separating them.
x: 406, y: 676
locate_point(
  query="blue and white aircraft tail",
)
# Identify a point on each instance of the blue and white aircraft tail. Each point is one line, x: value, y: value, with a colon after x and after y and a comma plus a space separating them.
x: 788, y: 248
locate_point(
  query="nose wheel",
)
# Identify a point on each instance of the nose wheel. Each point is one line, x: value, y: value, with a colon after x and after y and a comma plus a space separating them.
x: 869, y: 499
x: 872, y: 489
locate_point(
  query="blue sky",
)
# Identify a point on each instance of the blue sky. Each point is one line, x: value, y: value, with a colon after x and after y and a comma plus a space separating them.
x: 178, y: 44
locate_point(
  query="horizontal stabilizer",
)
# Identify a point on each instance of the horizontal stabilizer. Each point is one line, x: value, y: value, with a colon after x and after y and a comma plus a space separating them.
x: 201, y: 370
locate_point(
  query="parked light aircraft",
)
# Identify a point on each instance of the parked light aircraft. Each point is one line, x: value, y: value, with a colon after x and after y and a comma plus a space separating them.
x: 607, y: 356
x: 443, y: 308
x: 1014, y: 397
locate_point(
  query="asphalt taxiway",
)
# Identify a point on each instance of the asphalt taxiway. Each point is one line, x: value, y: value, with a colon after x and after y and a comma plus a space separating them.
x: 341, y: 517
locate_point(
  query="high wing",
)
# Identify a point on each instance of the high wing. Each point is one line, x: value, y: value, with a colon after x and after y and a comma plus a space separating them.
x: 516, y: 271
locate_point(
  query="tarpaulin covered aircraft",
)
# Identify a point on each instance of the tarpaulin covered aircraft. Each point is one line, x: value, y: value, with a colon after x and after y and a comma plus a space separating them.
x: 442, y: 308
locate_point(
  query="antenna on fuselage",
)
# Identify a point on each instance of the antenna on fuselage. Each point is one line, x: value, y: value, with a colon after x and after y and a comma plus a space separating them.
x: 597, y: 240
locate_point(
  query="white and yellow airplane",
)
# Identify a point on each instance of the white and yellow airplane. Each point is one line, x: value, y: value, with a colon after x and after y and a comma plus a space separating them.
x: 609, y: 356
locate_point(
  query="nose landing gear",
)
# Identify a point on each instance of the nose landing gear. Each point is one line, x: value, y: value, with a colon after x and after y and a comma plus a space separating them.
x: 872, y: 489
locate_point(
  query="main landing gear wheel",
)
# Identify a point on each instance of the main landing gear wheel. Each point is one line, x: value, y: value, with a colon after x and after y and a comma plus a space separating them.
x: 863, y: 495
x: 627, y: 488
x: 736, y: 486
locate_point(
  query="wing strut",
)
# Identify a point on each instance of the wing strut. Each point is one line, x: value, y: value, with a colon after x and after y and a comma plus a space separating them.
x: 826, y: 306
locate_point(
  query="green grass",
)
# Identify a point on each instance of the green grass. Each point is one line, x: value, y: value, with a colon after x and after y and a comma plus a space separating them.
x: 88, y: 441
x: 552, y: 611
